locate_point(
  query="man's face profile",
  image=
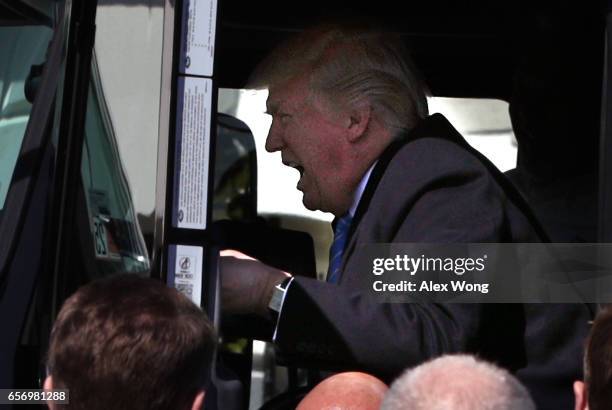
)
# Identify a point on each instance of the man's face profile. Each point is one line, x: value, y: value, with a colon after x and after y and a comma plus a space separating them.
x: 311, y: 139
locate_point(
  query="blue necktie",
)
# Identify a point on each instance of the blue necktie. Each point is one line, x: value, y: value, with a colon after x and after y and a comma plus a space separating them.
x: 337, y: 249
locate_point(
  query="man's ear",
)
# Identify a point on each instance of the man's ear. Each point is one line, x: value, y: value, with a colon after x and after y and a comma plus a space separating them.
x: 358, y: 120
x: 580, y: 396
x: 48, y: 386
x: 198, y: 401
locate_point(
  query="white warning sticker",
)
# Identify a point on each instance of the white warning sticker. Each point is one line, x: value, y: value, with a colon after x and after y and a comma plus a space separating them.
x: 192, y: 152
x: 186, y: 273
x: 198, y: 39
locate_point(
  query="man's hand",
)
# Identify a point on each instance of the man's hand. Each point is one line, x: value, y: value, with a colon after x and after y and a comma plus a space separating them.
x: 247, y: 284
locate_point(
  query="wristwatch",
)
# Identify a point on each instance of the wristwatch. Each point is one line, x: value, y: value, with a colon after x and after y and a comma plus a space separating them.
x: 274, y: 306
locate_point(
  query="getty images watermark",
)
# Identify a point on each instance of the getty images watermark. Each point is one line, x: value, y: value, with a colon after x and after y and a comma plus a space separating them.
x: 413, y: 265
x: 486, y: 272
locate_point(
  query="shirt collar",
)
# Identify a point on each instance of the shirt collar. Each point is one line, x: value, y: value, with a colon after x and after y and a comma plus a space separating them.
x: 360, y: 188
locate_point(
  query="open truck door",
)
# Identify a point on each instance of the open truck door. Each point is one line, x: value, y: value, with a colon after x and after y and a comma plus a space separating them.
x: 67, y: 215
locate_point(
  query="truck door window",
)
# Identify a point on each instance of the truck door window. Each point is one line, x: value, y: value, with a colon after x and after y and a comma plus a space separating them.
x: 118, y: 244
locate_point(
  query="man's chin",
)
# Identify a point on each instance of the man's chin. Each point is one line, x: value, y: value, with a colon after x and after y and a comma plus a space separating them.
x: 310, y: 207
x: 316, y: 204
x: 309, y: 204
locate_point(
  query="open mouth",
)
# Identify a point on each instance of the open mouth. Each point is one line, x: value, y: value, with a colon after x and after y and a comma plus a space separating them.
x: 296, y: 166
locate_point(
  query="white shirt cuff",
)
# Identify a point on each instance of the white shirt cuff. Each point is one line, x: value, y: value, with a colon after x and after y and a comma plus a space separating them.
x: 280, y: 312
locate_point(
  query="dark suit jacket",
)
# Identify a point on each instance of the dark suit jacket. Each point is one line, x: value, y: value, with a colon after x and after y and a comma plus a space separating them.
x: 430, y: 188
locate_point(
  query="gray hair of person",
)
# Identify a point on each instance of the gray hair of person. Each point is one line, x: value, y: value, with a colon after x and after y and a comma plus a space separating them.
x: 457, y: 382
x: 349, y: 65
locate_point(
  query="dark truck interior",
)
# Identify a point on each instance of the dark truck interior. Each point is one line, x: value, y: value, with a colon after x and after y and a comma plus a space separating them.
x: 546, y: 59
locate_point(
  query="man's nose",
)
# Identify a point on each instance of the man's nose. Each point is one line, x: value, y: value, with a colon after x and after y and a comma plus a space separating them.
x: 274, y: 141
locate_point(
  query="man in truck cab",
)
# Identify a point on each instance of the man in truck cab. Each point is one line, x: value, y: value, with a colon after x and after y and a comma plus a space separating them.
x: 349, y: 113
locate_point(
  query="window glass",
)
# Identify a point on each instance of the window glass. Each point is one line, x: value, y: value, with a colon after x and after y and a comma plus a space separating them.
x: 128, y: 50
x: 484, y: 123
x: 20, y: 48
x: 117, y: 240
x: 235, y: 189
x: 119, y: 156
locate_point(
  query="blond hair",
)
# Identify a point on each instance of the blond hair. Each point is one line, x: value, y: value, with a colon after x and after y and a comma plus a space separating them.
x: 349, y: 65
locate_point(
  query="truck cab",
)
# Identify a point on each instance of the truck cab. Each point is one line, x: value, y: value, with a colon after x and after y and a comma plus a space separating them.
x: 91, y: 98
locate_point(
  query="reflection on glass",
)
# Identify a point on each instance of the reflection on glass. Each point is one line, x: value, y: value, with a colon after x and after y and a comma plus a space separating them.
x: 235, y: 171
x: 117, y: 240
x: 20, y: 48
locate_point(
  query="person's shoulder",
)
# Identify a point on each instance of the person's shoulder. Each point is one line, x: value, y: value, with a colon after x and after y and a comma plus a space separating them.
x: 430, y: 158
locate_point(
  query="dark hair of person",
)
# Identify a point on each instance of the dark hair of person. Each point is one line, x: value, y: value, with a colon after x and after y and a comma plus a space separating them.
x: 598, y: 362
x: 130, y: 343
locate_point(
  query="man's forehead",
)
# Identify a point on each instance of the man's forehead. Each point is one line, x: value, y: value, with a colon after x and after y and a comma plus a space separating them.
x: 292, y: 90
x: 276, y: 102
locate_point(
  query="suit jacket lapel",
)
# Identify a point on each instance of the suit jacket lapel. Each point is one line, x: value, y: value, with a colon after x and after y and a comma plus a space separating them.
x: 368, y: 193
x: 433, y: 126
